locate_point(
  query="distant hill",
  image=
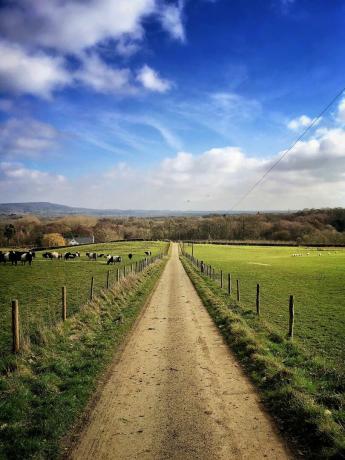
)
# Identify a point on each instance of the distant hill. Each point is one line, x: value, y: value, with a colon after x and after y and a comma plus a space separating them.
x: 51, y: 209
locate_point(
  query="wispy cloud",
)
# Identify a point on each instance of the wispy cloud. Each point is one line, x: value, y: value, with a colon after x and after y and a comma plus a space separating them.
x: 150, y: 80
x: 172, y: 21
x: 103, y: 78
x: 296, y: 124
x: 27, y: 138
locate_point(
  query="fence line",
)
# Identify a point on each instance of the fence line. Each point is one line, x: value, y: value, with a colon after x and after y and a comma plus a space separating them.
x: 141, y: 265
x: 209, y: 272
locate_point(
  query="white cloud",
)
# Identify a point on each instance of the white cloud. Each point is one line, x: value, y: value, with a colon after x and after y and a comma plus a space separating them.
x: 171, y: 18
x: 313, y: 174
x: 37, y: 36
x: 150, y: 79
x: 341, y: 111
x: 126, y: 46
x: 232, y: 104
x: 18, y: 181
x: 33, y: 73
x: 26, y: 137
x: 102, y: 78
x: 72, y: 26
x: 300, y: 122
x: 124, y: 126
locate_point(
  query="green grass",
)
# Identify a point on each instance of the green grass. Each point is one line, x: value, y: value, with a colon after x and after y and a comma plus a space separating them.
x: 316, y: 282
x: 44, y: 391
x: 306, y: 395
x: 38, y: 288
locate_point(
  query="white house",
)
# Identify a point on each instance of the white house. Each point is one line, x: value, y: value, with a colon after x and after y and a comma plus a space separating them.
x: 76, y: 240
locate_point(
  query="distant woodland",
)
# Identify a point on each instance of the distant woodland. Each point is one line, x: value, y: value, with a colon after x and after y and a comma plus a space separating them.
x: 318, y: 226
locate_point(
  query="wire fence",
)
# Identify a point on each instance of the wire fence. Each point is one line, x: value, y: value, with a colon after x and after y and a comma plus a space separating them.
x: 45, y: 306
x: 306, y: 292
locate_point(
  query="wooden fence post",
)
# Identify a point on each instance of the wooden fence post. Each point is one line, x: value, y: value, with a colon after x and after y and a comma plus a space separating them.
x: 15, y: 327
x: 258, y: 299
x: 221, y: 279
x: 291, y: 317
x: 238, y: 290
x: 108, y: 275
x: 64, y: 303
x: 229, y: 283
x: 91, y: 288
x: 124, y: 271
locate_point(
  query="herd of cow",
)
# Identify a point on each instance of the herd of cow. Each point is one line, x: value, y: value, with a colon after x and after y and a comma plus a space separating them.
x: 27, y: 256
x: 17, y: 256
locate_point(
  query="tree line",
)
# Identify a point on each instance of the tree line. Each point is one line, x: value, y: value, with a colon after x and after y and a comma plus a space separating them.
x: 317, y: 226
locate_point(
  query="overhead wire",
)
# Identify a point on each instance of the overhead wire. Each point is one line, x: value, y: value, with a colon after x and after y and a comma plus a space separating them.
x: 308, y: 128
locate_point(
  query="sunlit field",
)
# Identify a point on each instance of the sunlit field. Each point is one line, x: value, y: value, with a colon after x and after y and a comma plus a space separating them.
x: 38, y: 288
x: 314, y: 277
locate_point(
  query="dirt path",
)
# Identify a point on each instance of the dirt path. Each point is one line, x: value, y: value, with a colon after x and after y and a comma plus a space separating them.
x: 177, y: 392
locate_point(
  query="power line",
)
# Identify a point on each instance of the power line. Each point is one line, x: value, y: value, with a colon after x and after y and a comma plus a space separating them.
x: 311, y: 125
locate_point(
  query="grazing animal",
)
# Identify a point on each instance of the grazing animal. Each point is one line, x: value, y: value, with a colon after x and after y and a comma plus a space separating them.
x: 26, y: 257
x: 92, y: 255
x: 70, y: 255
x: 113, y: 259
x: 148, y: 253
x: 52, y: 255
x: 15, y: 256
x: 4, y: 257
x: 130, y: 256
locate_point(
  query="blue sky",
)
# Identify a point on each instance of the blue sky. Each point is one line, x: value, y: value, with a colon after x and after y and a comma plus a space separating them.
x: 171, y: 104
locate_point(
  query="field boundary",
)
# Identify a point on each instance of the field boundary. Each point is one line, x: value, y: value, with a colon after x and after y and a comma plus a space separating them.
x: 69, y: 442
x: 22, y: 332
x: 286, y: 378
x: 63, y: 374
x: 263, y: 243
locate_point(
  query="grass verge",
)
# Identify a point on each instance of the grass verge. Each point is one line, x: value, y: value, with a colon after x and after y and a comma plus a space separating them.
x: 305, y: 396
x: 45, y: 389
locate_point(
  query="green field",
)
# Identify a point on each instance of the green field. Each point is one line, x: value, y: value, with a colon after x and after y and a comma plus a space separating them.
x: 38, y: 288
x: 317, y: 282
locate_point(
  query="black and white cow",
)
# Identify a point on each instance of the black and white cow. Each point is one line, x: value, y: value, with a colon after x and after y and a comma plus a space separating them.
x: 92, y: 255
x: 16, y: 256
x: 26, y: 257
x: 148, y: 253
x: 113, y: 259
x: 52, y: 255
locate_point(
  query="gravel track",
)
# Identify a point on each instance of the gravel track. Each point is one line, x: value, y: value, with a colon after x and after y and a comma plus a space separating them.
x: 176, y: 391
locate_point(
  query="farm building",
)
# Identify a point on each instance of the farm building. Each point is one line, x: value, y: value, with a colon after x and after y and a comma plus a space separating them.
x: 75, y: 241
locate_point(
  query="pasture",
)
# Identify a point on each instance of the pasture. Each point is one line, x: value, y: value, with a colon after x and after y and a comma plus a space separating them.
x: 315, y: 278
x: 38, y: 288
